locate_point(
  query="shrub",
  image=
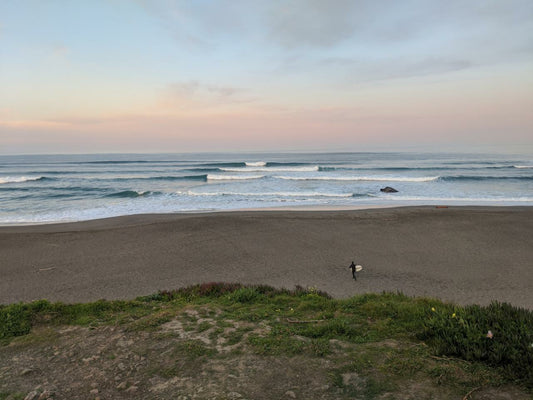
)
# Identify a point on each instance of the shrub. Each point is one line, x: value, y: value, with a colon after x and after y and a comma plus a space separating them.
x: 219, y: 289
x: 15, y: 320
x: 244, y: 295
x: 499, y: 335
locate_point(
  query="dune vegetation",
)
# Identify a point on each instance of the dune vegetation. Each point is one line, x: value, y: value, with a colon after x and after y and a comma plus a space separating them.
x: 368, y: 346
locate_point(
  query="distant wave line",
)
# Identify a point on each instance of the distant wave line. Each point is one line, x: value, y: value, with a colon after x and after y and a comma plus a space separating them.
x: 124, y: 162
x: 53, y: 189
x: 249, y: 165
x: 360, y: 178
x: 132, y: 194
x: 275, y: 194
x: 221, y: 164
x: 232, y: 177
x: 483, y: 177
x: 272, y: 169
x: 362, y: 168
x: 471, y: 162
x: 202, y: 177
x: 287, y: 164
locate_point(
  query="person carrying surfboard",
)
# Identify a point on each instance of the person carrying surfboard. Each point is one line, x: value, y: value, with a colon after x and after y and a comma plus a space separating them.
x: 352, y: 267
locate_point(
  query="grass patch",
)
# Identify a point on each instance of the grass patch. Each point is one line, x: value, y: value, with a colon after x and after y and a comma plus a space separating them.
x: 193, y: 349
x: 203, y: 326
x: 236, y: 336
x: 304, y: 320
x: 499, y: 335
x: 150, y: 322
x: 14, y: 396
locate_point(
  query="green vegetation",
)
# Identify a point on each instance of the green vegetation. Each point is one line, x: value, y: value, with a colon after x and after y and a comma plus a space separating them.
x: 13, y: 396
x: 396, y: 334
x: 499, y: 335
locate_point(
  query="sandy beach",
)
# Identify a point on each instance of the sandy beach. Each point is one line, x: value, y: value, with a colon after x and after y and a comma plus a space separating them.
x: 461, y: 254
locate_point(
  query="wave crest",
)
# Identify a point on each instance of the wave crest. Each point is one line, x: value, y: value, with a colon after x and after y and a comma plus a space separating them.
x: 361, y: 178
x: 485, y: 178
x: 272, y: 194
x: 19, y: 179
x: 130, y: 194
x: 232, y: 177
x: 272, y: 169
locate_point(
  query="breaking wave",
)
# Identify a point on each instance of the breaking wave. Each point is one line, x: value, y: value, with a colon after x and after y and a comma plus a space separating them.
x: 211, y: 177
x: 19, y: 179
x: 272, y: 169
x: 131, y: 194
x: 273, y: 194
x: 361, y: 178
x: 484, y: 178
x: 202, y: 177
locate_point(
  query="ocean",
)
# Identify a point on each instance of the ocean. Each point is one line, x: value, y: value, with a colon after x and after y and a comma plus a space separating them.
x: 57, y: 188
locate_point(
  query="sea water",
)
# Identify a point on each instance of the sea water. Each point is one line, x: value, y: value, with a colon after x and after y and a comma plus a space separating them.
x: 53, y: 188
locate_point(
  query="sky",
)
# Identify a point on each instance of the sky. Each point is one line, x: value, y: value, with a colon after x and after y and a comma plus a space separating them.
x: 303, y: 75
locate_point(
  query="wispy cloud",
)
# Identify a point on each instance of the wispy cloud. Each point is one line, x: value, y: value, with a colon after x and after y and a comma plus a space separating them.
x: 317, y: 23
x: 314, y: 22
x: 202, y: 26
x: 194, y: 94
x: 363, y: 70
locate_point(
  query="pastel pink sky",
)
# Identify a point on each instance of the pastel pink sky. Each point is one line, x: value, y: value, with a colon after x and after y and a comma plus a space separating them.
x: 171, y: 76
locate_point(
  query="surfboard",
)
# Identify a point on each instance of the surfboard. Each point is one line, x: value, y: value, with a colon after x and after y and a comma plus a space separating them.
x: 358, y: 268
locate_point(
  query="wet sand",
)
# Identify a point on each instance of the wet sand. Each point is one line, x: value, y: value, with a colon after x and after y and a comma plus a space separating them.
x: 461, y: 254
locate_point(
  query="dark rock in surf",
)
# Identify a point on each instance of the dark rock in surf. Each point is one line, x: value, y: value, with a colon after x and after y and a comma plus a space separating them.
x: 388, y: 189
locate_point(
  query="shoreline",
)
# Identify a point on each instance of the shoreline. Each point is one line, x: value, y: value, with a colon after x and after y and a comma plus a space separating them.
x: 203, y: 212
x: 302, y: 208
x: 464, y: 254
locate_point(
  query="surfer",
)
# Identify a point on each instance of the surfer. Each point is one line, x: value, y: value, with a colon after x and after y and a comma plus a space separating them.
x: 352, y: 267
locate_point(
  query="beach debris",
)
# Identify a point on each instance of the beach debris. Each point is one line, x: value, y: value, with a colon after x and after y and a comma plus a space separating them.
x: 489, y: 334
x: 46, y: 269
x: 388, y: 189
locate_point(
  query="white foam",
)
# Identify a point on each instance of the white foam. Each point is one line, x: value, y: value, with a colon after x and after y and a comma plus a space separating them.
x: 272, y: 169
x: 268, y: 194
x: 459, y: 199
x: 232, y: 177
x: 361, y: 178
x: 523, y: 166
x: 18, y: 179
x: 256, y: 164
